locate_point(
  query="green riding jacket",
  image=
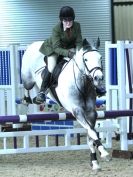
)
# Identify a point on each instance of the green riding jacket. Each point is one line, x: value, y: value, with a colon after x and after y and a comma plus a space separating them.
x: 61, y: 41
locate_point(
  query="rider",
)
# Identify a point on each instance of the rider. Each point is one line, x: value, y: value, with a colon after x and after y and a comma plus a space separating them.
x: 66, y: 36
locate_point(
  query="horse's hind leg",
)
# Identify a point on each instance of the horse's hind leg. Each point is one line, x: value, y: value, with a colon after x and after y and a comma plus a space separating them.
x: 28, y: 84
x: 26, y: 99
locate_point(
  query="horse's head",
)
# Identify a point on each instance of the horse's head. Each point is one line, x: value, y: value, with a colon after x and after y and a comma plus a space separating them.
x: 92, y: 62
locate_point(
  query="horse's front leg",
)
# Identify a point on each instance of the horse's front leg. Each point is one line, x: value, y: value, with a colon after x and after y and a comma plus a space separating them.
x: 93, y: 156
x: 87, y: 119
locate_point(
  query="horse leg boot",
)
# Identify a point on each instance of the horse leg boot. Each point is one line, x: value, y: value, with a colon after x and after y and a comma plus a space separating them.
x: 41, y: 97
x: 102, y: 150
x: 93, y: 156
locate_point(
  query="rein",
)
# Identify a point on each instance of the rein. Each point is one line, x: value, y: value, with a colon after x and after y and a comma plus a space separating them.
x: 87, y: 78
x: 95, y: 68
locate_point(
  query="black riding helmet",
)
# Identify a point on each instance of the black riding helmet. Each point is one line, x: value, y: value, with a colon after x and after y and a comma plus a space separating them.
x: 67, y: 13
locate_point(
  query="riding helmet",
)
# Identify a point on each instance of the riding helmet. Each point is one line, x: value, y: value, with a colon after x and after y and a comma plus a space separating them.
x: 67, y: 13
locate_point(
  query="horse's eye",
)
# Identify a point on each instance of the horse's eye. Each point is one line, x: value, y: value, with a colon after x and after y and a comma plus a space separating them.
x: 85, y: 59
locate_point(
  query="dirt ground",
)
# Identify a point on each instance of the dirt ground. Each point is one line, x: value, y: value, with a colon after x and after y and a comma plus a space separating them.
x: 61, y: 164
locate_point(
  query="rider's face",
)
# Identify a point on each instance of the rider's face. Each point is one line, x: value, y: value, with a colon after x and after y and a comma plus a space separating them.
x: 67, y: 23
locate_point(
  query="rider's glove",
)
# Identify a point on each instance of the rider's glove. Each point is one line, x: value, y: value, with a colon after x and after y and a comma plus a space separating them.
x: 71, y: 54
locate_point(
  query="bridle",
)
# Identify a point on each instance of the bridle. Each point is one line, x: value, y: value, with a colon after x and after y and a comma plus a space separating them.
x: 89, y: 76
x: 93, y: 69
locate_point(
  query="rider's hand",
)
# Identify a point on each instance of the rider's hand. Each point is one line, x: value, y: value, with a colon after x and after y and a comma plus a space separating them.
x: 71, y: 54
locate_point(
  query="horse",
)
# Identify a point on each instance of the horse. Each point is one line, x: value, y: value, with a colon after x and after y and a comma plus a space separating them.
x: 76, y: 88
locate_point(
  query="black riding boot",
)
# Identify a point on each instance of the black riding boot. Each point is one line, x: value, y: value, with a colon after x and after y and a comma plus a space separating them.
x: 41, y: 97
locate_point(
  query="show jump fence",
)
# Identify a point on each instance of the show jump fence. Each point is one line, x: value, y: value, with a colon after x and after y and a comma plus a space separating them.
x: 118, y: 91
x: 29, y: 141
x: 119, y: 85
x: 40, y: 141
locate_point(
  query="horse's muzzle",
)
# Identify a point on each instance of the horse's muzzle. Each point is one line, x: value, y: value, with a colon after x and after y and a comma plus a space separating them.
x: 98, y: 80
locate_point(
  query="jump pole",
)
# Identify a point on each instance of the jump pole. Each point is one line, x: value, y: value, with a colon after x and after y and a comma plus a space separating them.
x: 61, y: 116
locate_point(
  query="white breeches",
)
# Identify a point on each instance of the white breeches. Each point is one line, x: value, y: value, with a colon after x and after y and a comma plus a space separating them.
x: 52, y: 60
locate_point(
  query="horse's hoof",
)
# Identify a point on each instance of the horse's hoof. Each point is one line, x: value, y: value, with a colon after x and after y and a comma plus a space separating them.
x: 24, y: 102
x: 95, y: 166
x: 96, y: 169
x: 106, y: 157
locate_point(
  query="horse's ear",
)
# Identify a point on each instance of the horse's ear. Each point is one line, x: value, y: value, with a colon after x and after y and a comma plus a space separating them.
x: 98, y: 43
x: 86, y: 44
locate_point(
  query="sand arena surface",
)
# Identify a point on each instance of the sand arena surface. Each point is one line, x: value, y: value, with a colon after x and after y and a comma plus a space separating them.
x: 62, y: 164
